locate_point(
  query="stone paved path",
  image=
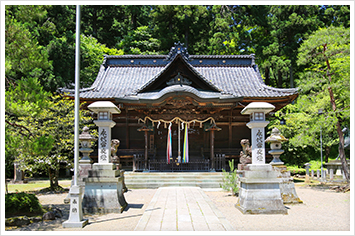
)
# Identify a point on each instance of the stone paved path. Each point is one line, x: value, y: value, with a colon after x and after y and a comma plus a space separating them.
x: 182, y: 209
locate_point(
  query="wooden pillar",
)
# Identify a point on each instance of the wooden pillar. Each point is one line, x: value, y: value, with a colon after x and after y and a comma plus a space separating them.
x: 146, y: 150
x: 145, y: 129
x: 230, y: 134
x: 212, y: 129
x: 212, y: 150
x: 127, y: 130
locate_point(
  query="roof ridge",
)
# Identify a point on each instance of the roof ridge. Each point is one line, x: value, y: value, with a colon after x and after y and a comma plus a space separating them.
x: 251, y: 56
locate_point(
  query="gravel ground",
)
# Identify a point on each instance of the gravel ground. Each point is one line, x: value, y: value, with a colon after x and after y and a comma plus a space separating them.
x: 137, y: 199
x: 322, y: 210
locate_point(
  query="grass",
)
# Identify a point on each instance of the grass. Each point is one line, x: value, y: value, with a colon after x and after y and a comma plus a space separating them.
x: 35, y: 185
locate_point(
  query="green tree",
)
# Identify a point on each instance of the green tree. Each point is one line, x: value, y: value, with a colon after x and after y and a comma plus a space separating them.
x: 39, y: 132
x: 140, y: 41
x: 92, y: 53
x: 326, y: 55
x: 335, y: 15
x: 324, y: 84
x: 23, y: 55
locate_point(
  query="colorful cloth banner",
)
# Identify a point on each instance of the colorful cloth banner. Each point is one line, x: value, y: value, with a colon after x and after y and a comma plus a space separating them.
x: 169, y: 148
x: 185, y: 158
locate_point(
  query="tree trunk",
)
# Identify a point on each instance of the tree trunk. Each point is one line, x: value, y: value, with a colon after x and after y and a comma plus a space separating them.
x: 7, y: 190
x: 338, y: 125
x: 279, y: 79
x: 186, y: 32
x: 342, y: 152
x: 53, y: 179
x: 327, y: 153
x: 94, y: 23
x: 50, y: 178
x: 267, y: 76
x: 291, y: 77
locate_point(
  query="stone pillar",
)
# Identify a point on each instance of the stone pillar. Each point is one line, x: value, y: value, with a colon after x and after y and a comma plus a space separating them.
x: 104, y: 155
x: 312, y: 174
x: 260, y: 187
x: 76, y: 213
x: 18, y: 173
x: 331, y: 175
x: 307, y: 166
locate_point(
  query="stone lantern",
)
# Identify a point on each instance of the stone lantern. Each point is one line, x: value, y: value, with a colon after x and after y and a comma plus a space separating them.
x: 85, y: 162
x: 86, y: 140
x: 275, y: 141
x: 104, y: 186
x: 104, y: 110
x: 257, y: 112
x: 259, y: 186
x: 287, y: 186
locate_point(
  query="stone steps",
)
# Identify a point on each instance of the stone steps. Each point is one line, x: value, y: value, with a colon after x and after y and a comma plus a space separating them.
x: 136, y: 180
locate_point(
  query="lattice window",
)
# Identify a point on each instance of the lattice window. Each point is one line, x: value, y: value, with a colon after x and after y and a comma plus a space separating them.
x: 103, y: 115
x: 259, y: 116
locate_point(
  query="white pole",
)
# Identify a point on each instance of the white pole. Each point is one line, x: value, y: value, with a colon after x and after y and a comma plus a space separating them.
x: 77, y: 98
x: 76, y: 212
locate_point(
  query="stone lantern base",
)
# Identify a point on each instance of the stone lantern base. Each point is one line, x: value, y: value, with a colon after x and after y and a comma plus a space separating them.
x: 260, y: 191
x: 287, y: 186
x: 104, y: 190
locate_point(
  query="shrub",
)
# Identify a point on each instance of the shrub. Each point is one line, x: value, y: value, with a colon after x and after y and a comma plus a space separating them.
x: 22, y: 204
x: 230, y: 179
x: 294, y: 170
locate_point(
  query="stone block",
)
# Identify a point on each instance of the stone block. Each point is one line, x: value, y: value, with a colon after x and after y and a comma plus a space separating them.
x: 104, y: 173
x: 103, y: 166
x: 287, y: 186
x: 260, y: 192
x: 104, y: 195
x: 104, y: 190
x: 84, y: 170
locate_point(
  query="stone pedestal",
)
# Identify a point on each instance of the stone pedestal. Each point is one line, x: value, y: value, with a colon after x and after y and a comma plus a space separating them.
x: 287, y: 186
x: 76, y: 214
x: 104, y: 190
x: 260, y: 191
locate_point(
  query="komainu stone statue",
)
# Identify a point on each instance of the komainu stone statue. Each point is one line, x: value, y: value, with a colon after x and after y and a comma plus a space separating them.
x: 245, y: 155
x: 114, y: 146
x: 115, y: 159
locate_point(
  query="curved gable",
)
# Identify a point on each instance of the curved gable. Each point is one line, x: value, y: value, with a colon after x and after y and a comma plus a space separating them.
x: 178, y: 71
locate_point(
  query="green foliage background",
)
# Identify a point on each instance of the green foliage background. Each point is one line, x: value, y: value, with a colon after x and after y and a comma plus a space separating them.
x: 40, y: 49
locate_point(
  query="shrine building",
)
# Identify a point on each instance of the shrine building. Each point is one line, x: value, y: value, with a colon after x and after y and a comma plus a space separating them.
x: 181, y: 112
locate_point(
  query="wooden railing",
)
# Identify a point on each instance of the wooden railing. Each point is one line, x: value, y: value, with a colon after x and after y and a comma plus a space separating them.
x: 138, y: 162
x: 220, y: 162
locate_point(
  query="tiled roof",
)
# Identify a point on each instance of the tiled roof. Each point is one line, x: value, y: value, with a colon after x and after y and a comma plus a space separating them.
x: 124, y: 76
